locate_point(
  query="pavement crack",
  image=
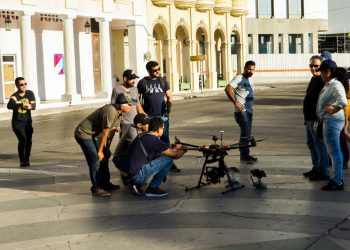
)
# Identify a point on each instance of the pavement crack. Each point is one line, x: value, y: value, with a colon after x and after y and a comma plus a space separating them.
x: 329, y: 231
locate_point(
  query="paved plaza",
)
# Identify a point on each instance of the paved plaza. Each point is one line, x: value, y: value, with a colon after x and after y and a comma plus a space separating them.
x: 49, y: 205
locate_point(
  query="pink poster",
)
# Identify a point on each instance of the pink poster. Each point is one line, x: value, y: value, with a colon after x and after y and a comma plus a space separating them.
x: 58, y: 63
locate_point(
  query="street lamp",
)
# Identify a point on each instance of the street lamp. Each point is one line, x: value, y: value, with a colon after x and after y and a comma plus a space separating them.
x: 8, y: 23
x: 87, y: 27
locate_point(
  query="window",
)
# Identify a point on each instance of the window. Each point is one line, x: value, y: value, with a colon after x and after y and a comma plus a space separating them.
x: 310, y: 41
x: 250, y: 44
x: 295, y: 43
x: 265, y: 8
x: 9, y: 74
x: 295, y: 8
x: 265, y: 44
x: 233, y: 44
x: 280, y: 43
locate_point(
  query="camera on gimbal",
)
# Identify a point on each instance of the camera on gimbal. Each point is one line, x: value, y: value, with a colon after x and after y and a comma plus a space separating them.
x: 214, y: 174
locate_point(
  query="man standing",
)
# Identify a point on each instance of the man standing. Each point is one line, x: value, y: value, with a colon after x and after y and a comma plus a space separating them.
x: 91, y: 134
x: 317, y: 147
x: 130, y: 91
x: 148, y: 156
x: 240, y: 91
x: 22, y: 102
x: 154, y: 91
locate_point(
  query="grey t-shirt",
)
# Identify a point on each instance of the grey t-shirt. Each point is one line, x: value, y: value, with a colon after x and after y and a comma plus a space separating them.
x: 104, y: 117
x: 132, y: 93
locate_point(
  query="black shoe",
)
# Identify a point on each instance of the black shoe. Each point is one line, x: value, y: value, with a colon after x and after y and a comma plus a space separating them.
x: 252, y: 158
x: 309, y: 173
x: 317, y: 176
x: 110, y: 186
x: 155, y: 192
x: 332, y: 186
x: 136, y: 189
x: 100, y: 193
x: 246, y: 160
x: 24, y: 164
x: 174, y: 169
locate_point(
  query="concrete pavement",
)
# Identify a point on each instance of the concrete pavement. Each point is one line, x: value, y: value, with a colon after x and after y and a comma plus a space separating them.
x: 49, y: 206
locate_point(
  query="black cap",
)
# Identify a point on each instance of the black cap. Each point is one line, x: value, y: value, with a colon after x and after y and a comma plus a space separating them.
x: 141, y: 118
x: 122, y: 99
x: 327, y: 64
x: 130, y: 74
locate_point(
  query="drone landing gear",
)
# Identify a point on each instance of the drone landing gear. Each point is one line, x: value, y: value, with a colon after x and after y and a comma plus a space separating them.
x: 214, y: 175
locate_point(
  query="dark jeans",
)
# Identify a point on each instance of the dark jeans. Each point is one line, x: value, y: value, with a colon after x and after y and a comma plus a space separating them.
x: 99, y: 171
x: 244, y: 120
x: 24, y: 133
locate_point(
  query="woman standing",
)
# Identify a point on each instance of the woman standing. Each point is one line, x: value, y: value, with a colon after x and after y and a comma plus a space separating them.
x: 329, y: 109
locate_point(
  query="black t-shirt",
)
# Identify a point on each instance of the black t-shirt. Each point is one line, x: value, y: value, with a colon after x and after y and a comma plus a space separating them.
x: 310, y: 101
x: 135, y: 157
x: 153, y: 95
x: 21, y: 115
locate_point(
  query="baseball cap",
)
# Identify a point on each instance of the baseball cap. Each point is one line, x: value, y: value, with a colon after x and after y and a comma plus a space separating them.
x: 130, y: 74
x: 141, y: 118
x: 122, y: 99
x: 327, y: 64
x: 326, y: 55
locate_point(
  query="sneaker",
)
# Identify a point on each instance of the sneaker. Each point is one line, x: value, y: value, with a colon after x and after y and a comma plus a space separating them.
x: 100, y: 193
x: 317, y: 176
x: 309, y: 173
x: 252, y: 158
x: 332, y: 186
x: 136, y: 189
x: 246, y: 160
x: 155, y: 192
x: 174, y: 169
x: 110, y: 186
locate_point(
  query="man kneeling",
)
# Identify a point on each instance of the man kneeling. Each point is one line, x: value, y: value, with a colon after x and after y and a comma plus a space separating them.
x: 148, y: 156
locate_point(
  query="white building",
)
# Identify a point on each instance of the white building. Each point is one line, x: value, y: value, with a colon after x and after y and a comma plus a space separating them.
x: 47, y: 44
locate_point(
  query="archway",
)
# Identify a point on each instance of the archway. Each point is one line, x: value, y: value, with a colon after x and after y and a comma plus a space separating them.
x: 161, y: 48
x: 236, y: 52
x: 183, y: 58
x: 202, y: 49
x: 220, y: 57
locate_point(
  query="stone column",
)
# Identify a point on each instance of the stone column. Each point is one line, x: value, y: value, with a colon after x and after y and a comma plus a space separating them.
x: 285, y: 43
x: 213, y: 75
x: 195, y: 69
x: 174, y: 75
x: 305, y: 43
x: 255, y: 43
x: 28, y: 50
x: 275, y: 43
x: 105, y: 55
x: 69, y: 62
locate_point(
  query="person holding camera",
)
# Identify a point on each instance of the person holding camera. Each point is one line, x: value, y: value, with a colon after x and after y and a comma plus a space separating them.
x: 22, y: 102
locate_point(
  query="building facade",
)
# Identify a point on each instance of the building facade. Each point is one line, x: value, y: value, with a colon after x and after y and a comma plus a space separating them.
x: 73, y: 49
x: 179, y: 29
x: 70, y: 49
x: 285, y: 26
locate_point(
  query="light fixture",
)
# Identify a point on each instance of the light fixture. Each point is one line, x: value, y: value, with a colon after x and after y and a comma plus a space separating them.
x: 8, y: 23
x: 87, y: 27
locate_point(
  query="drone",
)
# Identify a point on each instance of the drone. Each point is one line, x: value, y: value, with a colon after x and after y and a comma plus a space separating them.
x: 215, y: 153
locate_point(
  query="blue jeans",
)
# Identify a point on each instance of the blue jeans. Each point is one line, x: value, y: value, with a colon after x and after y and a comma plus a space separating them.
x: 244, y: 120
x: 98, y: 176
x: 165, y: 137
x: 157, y: 168
x: 318, y: 150
x: 331, y: 134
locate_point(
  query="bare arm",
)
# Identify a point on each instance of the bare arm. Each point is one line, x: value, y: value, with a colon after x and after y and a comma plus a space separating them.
x: 169, y: 100
x: 140, y: 109
x: 103, y: 140
x: 229, y: 90
x: 174, y: 153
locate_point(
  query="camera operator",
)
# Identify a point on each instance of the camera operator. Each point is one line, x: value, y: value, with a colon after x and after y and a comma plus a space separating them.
x: 148, y: 156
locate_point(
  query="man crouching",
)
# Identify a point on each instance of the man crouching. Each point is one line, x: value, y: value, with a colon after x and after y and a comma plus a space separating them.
x: 148, y: 156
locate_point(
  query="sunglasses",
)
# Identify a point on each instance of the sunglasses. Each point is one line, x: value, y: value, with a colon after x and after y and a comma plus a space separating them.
x: 22, y: 84
x: 155, y: 70
x: 313, y: 66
